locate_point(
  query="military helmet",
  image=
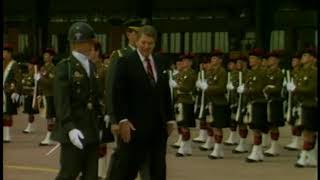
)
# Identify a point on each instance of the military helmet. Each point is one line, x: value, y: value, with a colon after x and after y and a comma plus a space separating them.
x: 80, y: 31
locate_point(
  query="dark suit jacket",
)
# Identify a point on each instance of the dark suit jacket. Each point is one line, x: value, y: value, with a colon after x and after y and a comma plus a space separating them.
x: 147, y: 106
x: 73, y: 90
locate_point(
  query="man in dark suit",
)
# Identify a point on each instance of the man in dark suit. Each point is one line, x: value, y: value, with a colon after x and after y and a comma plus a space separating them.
x: 77, y: 108
x: 142, y: 110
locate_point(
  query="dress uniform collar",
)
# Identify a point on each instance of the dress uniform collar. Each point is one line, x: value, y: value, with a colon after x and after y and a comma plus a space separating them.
x: 84, y: 61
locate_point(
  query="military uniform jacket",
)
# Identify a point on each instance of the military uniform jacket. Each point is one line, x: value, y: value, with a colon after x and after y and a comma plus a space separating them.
x: 76, y: 101
x: 306, y: 86
x: 275, y: 79
x: 110, y: 76
x: 186, y: 86
x: 46, y: 80
x: 27, y: 83
x: 217, y: 82
x: 255, y: 81
x: 13, y: 80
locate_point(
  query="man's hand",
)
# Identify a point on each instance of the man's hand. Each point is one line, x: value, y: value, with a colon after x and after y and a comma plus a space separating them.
x: 125, y: 128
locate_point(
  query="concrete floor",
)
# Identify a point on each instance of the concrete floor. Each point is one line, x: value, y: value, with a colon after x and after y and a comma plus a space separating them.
x: 25, y: 160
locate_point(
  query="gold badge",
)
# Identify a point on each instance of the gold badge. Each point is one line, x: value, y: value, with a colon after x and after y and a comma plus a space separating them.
x: 185, y: 77
x: 305, y: 78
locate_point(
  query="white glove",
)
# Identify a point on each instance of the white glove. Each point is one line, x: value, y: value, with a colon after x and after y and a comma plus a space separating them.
x: 240, y: 89
x: 198, y: 84
x: 75, y: 135
x: 284, y: 83
x: 106, y: 120
x: 173, y: 83
x: 15, y: 97
x: 204, y: 85
x: 37, y: 76
x: 291, y: 86
x: 230, y: 86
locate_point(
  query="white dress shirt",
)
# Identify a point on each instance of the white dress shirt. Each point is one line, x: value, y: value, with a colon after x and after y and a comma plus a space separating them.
x: 84, y: 61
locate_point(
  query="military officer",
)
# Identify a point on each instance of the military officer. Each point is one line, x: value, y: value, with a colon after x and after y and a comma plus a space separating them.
x: 215, y: 89
x: 77, y: 107
x: 176, y: 69
x: 241, y: 66
x: 45, y: 80
x: 11, y: 90
x: 28, y: 86
x: 257, y: 106
x: 305, y: 88
x: 184, y: 85
x: 202, y: 137
x: 206, y: 116
x: 296, y: 130
x: 232, y: 99
x: 272, y: 92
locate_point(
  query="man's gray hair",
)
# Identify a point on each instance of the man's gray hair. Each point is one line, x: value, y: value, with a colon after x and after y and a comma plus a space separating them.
x: 148, y: 31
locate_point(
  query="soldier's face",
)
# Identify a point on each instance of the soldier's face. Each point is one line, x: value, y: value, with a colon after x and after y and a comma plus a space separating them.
x: 47, y: 57
x: 231, y: 66
x: 215, y: 60
x: 253, y: 60
x: 6, y: 55
x: 295, y: 62
x: 145, y: 44
x: 272, y: 61
x: 306, y: 58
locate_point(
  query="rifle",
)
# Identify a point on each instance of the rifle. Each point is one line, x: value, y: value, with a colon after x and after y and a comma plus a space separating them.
x: 202, y: 96
x: 171, y: 89
x: 34, y: 99
x: 197, y: 97
x: 240, y: 99
x: 228, y: 93
x: 288, y: 117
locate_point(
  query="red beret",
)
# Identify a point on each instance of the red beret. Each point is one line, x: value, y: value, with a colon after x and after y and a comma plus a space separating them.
x: 33, y: 61
x: 256, y: 52
x: 312, y: 51
x: 275, y: 53
x: 8, y: 47
x: 296, y: 55
x: 51, y: 51
x: 216, y: 52
x: 187, y: 56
